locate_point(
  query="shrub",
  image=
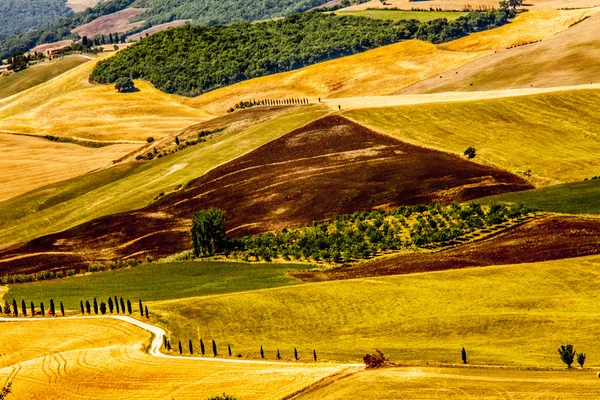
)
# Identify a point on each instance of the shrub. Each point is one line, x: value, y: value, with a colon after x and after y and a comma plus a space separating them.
x: 581, y: 359
x: 470, y: 152
x: 376, y: 360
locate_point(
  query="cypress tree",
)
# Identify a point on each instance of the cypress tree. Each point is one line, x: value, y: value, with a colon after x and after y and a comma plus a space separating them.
x: 95, y: 306
x: 6, y: 307
x: 169, y: 345
x: 24, y: 308
x: 88, y: 308
x: 62, y: 309
x: 262, y: 352
x: 1, y: 309
x: 102, y: 307
x: 165, y: 341
x: 278, y: 355
x: 191, y: 347
x: 180, y: 348
x: 129, y: 307
x: 141, y: 309
x: 146, y: 308
x: 315, y: 355
x: 123, y: 306
x: 117, y: 305
x: 32, y: 309
x: 214, y: 346
x: 52, y: 309
x: 82, y: 309
x: 202, y: 350
x: 463, y: 354
x: 295, y: 354
x: 111, y: 305
x: 15, y: 309
x: 229, y: 349
x: 42, y: 309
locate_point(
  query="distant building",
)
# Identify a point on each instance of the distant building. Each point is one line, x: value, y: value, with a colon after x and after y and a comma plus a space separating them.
x: 56, y: 50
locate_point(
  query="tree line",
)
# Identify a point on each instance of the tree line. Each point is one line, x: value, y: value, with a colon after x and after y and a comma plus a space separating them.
x: 12, y: 309
x: 191, y: 60
x: 267, y: 102
x: 351, y: 237
x: 113, y: 305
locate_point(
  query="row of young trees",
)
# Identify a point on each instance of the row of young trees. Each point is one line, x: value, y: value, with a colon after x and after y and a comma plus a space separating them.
x: 117, y: 306
x: 267, y: 102
x: 13, y: 309
x: 351, y: 237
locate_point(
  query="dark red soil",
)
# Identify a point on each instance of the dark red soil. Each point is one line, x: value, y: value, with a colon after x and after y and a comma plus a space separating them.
x: 331, y: 166
x: 544, y: 239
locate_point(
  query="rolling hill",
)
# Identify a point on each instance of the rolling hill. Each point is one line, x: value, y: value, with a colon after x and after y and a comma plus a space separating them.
x: 284, y: 183
x: 567, y: 59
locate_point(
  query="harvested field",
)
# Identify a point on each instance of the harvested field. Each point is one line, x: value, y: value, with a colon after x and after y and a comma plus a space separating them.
x: 118, y: 22
x: 569, y: 58
x: 28, y: 162
x: 544, y: 239
x: 48, y: 46
x: 287, y: 182
x: 156, y: 29
x: 106, y: 359
x: 81, y: 5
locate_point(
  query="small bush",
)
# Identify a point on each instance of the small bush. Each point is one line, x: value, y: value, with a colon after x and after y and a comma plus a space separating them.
x: 470, y: 152
x: 124, y: 85
x: 376, y: 360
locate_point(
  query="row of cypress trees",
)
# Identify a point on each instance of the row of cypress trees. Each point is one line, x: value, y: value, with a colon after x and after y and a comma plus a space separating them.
x: 7, y: 309
x: 167, y: 346
x: 118, y: 306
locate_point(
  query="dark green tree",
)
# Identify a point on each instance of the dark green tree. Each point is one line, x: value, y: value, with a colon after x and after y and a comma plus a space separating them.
x: 581, y: 359
x: 177, y: 140
x: 214, y: 348
x: 24, y: 308
x: 7, y: 309
x: 278, y: 355
x: 262, y: 352
x: 567, y: 354
x: 82, y: 309
x: 191, y: 347
x: 180, y: 348
x: 15, y: 308
x: 169, y: 345
x: 32, y: 306
x: 62, y: 309
x: 88, y: 308
x: 141, y: 309
x: 124, y: 85
x: 315, y: 355
x: 229, y: 350
x: 463, y: 355
x: 122, y: 305
x: 116, y: 302
x: 102, y: 307
x: 296, y: 354
x: 146, y: 309
x: 95, y: 306
x: 42, y: 309
x: 470, y: 152
x: 202, y: 350
x: 52, y: 308
x: 208, y: 232
x: 111, y: 305
x: 129, y: 308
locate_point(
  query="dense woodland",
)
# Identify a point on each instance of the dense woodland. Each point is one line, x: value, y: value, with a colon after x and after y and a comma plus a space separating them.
x: 191, y: 60
x: 22, y: 15
x: 58, y: 30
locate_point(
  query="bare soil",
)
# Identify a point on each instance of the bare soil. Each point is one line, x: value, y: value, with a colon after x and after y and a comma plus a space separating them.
x: 332, y: 166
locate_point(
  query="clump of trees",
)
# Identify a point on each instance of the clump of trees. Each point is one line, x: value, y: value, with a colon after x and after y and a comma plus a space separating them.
x: 124, y: 85
x: 208, y: 232
x: 197, y: 59
x: 268, y: 102
x: 5, y: 391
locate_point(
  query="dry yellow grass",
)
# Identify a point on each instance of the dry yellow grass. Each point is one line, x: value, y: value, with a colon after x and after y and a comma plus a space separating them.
x: 28, y: 162
x: 108, y: 363
x: 70, y: 106
x: 474, y: 4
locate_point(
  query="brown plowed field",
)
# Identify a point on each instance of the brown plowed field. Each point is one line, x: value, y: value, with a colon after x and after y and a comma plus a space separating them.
x: 544, y: 239
x: 329, y: 167
x: 118, y: 22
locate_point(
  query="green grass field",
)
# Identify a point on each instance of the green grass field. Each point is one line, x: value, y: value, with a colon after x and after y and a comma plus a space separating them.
x: 552, y: 135
x: 37, y: 74
x: 159, y: 281
x: 510, y: 315
x: 89, y: 198
x: 398, y: 15
x: 570, y: 198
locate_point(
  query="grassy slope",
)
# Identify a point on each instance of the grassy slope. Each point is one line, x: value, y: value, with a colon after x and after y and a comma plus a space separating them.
x: 28, y: 163
x: 553, y: 135
x: 38, y: 74
x: 69, y: 105
x: 136, y: 190
x: 159, y: 282
x: 509, y: 315
x: 570, y: 198
x: 402, y: 15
